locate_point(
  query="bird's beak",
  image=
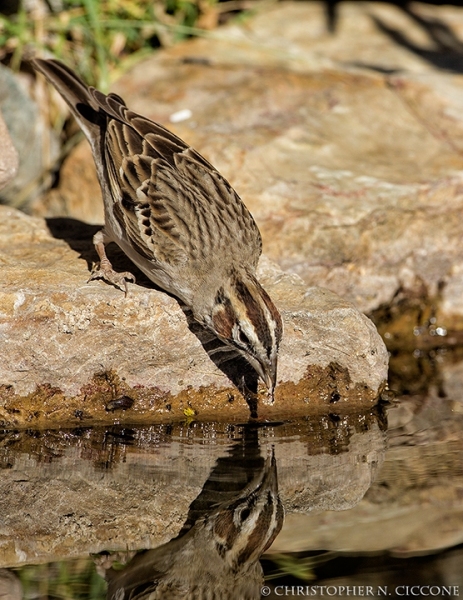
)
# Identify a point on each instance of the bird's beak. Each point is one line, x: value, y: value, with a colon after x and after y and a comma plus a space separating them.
x: 270, y: 378
x: 268, y: 373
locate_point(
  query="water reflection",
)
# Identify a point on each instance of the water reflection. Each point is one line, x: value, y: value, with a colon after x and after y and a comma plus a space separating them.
x: 202, y: 498
x: 230, y: 524
x: 10, y: 586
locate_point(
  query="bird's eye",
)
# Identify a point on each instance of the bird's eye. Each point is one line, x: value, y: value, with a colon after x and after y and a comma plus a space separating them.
x: 244, y: 338
x: 244, y: 514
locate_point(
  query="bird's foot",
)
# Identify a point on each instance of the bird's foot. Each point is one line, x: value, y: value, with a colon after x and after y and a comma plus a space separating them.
x: 104, y: 270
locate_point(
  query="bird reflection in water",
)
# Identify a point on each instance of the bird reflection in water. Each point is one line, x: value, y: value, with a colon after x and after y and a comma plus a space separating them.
x: 229, y: 526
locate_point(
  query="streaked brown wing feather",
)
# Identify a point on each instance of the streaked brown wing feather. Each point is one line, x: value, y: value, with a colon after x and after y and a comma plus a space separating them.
x: 174, y: 204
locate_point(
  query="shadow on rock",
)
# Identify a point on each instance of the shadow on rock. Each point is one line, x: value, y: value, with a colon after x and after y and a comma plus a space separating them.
x: 447, y: 49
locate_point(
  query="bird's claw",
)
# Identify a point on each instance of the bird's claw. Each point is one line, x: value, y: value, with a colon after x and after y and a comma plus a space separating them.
x: 107, y: 273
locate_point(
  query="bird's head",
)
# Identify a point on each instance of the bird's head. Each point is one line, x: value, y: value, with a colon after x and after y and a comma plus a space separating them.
x: 244, y: 317
x: 244, y: 527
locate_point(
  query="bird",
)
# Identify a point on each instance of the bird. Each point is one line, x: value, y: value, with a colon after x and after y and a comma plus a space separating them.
x: 217, y: 558
x: 178, y: 220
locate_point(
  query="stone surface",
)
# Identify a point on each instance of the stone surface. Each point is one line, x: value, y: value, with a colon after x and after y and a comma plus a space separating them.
x: 71, y: 347
x: 35, y: 143
x: 78, y: 194
x: 346, y: 147
x: 10, y: 586
x: 8, y: 155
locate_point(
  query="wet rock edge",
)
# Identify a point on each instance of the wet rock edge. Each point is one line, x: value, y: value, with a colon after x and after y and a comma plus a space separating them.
x: 107, y: 399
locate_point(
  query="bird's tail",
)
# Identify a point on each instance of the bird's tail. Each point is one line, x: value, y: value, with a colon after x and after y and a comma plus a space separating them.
x: 75, y: 92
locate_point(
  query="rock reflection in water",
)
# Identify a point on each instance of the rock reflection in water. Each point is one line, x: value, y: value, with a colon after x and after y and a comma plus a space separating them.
x: 229, y: 526
x: 89, y: 490
x: 179, y: 490
x: 10, y: 586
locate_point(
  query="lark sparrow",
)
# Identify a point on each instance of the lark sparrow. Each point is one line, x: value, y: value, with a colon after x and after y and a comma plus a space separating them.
x: 177, y: 219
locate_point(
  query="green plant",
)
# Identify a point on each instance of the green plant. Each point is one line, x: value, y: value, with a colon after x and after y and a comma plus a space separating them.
x: 99, y: 39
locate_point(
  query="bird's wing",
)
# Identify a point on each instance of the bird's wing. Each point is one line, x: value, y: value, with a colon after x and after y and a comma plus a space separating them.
x: 175, y: 206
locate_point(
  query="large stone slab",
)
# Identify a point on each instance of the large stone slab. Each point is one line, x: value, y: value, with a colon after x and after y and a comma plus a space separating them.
x: 346, y: 148
x: 72, y: 351
x: 8, y: 155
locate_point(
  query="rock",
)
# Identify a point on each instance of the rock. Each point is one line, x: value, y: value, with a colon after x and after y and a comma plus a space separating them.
x: 8, y: 155
x: 78, y: 193
x: 71, y: 347
x: 365, y: 215
x: 10, y: 586
x: 348, y: 152
x: 36, y: 145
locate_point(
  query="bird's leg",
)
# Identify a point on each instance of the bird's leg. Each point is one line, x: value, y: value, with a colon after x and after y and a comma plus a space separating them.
x: 104, y: 270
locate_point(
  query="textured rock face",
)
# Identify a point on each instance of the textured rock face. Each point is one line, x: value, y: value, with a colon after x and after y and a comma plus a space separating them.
x: 348, y: 151
x: 71, y: 347
x: 8, y: 155
x: 35, y: 146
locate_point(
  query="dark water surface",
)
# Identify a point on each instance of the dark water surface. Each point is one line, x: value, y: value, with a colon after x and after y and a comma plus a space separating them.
x: 373, y: 507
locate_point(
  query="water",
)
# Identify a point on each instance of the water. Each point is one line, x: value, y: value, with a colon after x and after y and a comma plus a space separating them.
x: 373, y: 507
